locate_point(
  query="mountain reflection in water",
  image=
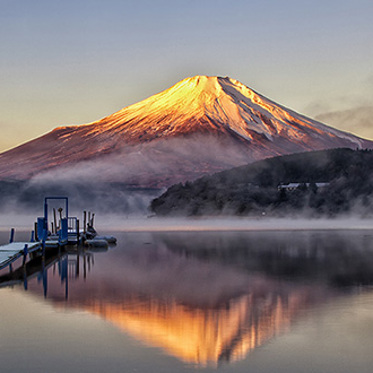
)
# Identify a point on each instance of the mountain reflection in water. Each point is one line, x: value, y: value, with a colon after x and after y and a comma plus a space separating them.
x: 207, y: 298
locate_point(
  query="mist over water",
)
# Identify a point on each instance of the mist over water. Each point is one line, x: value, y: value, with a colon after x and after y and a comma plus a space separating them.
x: 141, y: 220
x: 141, y: 223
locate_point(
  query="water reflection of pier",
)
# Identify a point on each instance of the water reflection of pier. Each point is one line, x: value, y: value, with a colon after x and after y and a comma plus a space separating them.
x: 66, y: 265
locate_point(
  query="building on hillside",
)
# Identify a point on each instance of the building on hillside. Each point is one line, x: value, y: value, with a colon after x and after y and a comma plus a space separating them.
x: 292, y: 186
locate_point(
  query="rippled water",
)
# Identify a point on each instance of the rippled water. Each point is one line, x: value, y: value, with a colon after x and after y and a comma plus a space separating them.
x: 286, y: 301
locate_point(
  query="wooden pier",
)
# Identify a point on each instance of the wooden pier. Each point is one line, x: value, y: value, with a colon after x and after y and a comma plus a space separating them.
x: 63, y: 230
x: 11, y: 252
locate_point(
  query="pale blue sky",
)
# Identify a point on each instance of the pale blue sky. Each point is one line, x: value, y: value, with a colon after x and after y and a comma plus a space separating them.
x: 71, y: 62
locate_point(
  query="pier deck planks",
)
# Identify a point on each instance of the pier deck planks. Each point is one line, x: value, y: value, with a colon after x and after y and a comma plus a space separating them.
x: 14, y: 250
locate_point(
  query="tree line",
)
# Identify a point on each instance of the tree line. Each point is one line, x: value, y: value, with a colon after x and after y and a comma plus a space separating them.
x: 254, y: 189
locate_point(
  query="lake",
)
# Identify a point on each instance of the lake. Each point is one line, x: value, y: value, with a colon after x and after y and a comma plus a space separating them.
x: 236, y: 301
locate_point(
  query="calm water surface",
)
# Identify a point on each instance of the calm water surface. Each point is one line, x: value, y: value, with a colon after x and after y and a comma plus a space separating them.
x: 172, y: 302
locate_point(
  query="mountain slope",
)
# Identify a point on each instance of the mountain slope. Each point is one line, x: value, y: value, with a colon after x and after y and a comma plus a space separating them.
x: 200, y: 125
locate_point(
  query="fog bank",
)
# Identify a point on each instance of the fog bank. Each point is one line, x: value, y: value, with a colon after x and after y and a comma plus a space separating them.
x: 143, y: 224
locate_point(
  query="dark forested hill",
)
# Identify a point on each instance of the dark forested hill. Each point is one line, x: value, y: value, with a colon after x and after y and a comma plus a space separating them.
x: 328, y: 182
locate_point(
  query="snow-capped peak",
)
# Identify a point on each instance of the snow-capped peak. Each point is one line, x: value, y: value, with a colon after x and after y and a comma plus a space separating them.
x: 203, y: 103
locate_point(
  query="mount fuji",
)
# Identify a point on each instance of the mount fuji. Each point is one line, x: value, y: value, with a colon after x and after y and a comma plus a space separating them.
x: 200, y: 125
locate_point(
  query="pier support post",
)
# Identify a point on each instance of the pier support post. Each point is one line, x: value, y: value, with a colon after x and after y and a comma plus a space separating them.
x: 11, y: 239
x: 77, y: 232
x: 43, y: 248
x: 25, y: 252
x: 25, y: 284
x: 84, y: 221
x: 36, y: 231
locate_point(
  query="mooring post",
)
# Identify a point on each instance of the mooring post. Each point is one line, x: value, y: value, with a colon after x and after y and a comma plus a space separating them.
x: 36, y: 231
x: 77, y: 232
x: 32, y: 239
x: 11, y: 239
x: 25, y: 252
x: 46, y: 214
x: 55, y: 221
x: 84, y: 221
x: 60, y: 209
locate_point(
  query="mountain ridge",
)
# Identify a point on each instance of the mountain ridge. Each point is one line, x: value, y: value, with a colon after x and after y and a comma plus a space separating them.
x: 178, y: 134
